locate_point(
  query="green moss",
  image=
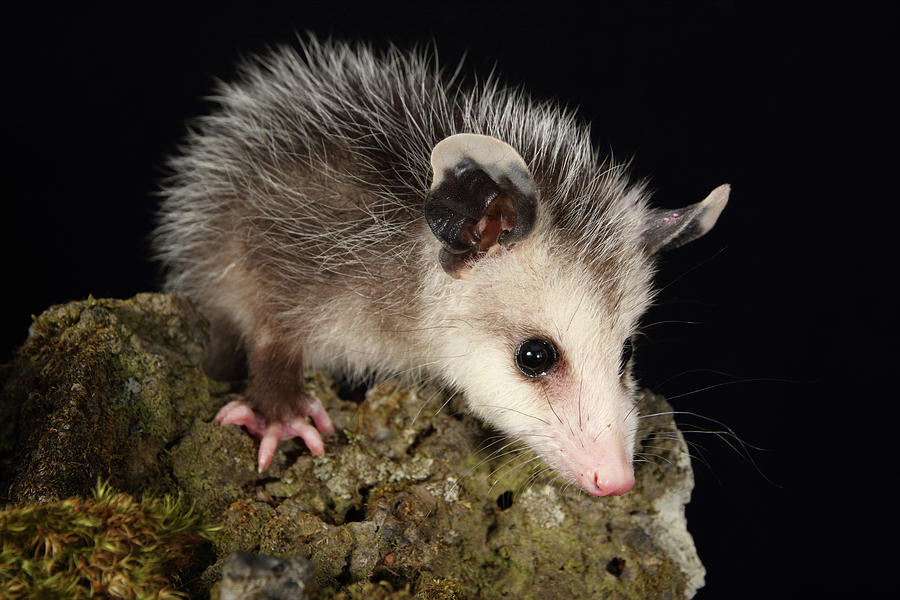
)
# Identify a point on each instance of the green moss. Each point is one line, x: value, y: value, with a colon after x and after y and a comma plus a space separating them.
x: 213, y: 464
x: 109, y: 546
x: 373, y: 591
x: 436, y: 588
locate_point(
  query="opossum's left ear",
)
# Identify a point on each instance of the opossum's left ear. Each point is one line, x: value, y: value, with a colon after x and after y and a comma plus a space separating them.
x: 482, y: 195
x: 669, y: 229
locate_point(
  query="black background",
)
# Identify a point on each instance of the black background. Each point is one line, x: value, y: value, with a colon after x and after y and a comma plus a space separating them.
x: 786, y: 309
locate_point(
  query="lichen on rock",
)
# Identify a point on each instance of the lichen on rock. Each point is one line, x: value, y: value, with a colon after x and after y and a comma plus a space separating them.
x: 407, y: 501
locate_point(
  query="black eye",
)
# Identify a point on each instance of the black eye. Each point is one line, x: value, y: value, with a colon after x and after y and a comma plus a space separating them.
x: 627, y: 351
x: 535, y: 357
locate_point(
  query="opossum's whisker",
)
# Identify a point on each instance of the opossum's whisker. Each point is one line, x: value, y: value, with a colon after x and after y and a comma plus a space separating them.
x: 726, y: 435
x: 726, y: 430
x: 543, y: 435
x: 427, y: 400
x: 422, y: 406
x: 535, y: 458
x: 659, y: 414
x: 669, y: 322
x: 580, y: 388
x: 493, y: 439
x: 523, y: 487
x: 446, y: 402
x: 633, y: 408
x: 599, y: 433
x: 509, y: 442
x: 666, y: 448
x: 720, y: 432
x: 698, y: 456
x: 743, y: 451
x: 493, y: 456
x: 545, y: 469
x: 734, y: 378
x: 511, y: 470
x: 659, y: 456
x: 684, y: 274
x: 503, y: 466
x: 497, y: 454
x: 489, y: 455
x: 696, y: 452
x: 575, y: 311
x: 512, y: 410
x: 532, y: 479
x: 550, y: 404
x: 514, y: 452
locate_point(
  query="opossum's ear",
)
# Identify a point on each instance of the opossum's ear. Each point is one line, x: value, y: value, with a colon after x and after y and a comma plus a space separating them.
x: 482, y: 195
x: 669, y: 229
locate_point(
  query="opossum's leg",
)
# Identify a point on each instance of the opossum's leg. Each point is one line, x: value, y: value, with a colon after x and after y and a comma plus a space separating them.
x: 227, y: 359
x: 276, y: 407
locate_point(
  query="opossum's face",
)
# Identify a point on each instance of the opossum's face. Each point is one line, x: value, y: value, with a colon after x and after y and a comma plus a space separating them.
x: 541, y: 359
x: 540, y: 342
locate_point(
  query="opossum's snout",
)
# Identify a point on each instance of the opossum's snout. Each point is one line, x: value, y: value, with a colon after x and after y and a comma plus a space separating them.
x: 613, y: 475
x: 604, y: 471
x: 599, y: 483
x: 600, y: 463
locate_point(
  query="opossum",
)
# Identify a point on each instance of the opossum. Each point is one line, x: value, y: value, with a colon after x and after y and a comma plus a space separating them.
x: 365, y: 213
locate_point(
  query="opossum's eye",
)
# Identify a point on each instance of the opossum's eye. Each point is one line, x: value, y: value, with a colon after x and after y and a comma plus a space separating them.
x: 535, y: 357
x: 627, y: 351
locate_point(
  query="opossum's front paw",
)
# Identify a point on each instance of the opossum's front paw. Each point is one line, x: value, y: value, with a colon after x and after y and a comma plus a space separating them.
x: 238, y: 412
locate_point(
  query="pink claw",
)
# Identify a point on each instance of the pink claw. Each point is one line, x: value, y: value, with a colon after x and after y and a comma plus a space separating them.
x: 267, y: 445
x: 320, y: 417
x: 278, y: 430
x: 239, y: 413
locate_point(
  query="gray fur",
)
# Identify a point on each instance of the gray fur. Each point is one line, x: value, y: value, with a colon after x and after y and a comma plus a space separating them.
x: 314, y: 169
x: 294, y: 219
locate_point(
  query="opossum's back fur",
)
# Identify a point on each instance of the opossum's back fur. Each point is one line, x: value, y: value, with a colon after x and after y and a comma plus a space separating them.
x: 307, y: 184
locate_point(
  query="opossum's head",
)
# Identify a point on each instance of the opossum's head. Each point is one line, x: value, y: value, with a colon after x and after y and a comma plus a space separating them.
x: 540, y: 315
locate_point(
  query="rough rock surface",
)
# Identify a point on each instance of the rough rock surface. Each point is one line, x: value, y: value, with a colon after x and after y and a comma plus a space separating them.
x: 99, y: 390
x: 407, y: 498
x: 248, y: 576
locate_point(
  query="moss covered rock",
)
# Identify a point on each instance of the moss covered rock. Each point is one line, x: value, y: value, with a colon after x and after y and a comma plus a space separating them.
x: 409, y: 500
x: 99, y: 390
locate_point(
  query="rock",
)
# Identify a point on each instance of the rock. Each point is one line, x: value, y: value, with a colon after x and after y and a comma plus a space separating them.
x: 411, y: 500
x: 405, y: 503
x: 247, y: 576
x: 99, y: 390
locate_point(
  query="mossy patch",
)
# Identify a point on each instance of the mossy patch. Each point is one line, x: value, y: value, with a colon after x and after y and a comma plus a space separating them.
x: 110, y: 546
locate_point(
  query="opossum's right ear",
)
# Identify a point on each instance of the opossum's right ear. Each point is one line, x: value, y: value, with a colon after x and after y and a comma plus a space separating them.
x: 669, y: 229
x: 482, y: 196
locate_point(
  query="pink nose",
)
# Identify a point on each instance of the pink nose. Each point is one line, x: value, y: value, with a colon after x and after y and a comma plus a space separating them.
x: 606, y: 481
